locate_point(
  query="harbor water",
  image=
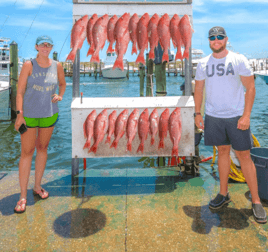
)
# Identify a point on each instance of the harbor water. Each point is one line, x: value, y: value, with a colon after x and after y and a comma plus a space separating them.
x: 60, y: 147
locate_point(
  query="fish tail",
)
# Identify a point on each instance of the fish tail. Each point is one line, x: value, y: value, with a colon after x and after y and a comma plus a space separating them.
x: 141, y: 147
x: 152, y: 141
x: 94, y: 148
x: 165, y: 57
x: 186, y: 54
x: 129, y: 146
x: 108, y: 140
x: 87, y: 145
x: 119, y: 64
x: 178, y: 54
x: 95, y: 57
x: 134, y: 49
x: 90, y: 51
x: 110, y: 48
x: 161, y: 144
x: 140, y: 59
x: 114, y: 144
x: 151, y: 54
x: 71, y: 55
x: 175, y: 152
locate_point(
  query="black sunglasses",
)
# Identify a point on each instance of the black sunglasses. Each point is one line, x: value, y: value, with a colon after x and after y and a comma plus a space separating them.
x: 219, y: 37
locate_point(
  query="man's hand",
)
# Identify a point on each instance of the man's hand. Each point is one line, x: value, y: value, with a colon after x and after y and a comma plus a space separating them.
x: 199, y: 122
x: 243, y: 123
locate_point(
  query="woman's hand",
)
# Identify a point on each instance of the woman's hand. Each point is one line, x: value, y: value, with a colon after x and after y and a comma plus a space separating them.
x: 56, y: 98
x: 19, y: 121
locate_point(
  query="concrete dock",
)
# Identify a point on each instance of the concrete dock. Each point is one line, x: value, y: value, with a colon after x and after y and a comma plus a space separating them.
x: 146, y: 209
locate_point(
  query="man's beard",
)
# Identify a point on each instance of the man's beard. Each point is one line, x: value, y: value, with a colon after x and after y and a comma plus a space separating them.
x: 218, y: 50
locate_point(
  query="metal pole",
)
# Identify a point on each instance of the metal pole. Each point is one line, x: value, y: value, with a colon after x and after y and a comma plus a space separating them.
x: 76, y: 74
x: 76, y: 79
x: 188, y: 78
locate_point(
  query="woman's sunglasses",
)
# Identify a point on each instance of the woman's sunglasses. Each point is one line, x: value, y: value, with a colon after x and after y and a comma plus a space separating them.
x: 46, y: 45
x: 219, y: 37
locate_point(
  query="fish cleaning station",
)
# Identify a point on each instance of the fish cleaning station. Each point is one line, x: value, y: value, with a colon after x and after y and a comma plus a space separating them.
x: 158, y: 201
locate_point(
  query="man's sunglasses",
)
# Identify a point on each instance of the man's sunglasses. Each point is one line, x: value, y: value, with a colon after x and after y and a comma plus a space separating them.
x: 219, y: 37
x: 46, y: 45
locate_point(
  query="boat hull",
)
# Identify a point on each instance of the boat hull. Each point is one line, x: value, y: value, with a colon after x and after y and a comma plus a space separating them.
x: 110, y: 73
x: 262, y: 76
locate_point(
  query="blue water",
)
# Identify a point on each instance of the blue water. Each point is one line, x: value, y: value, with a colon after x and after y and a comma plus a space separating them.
x: 60, y: 147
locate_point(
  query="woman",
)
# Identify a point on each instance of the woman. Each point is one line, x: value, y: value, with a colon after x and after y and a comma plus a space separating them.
x: 37, y: 108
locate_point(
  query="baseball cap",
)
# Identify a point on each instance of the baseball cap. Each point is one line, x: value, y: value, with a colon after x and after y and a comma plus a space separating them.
x: 217, y: 30
x: 44, y: 39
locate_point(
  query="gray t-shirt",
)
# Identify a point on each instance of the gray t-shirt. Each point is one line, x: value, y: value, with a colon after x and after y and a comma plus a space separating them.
x: 225, y: 96
x: 41, y: 85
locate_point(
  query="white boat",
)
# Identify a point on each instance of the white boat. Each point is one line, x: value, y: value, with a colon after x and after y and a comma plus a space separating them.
x: 108, y: 71
x: 260, y: 68
x: 197, y: 54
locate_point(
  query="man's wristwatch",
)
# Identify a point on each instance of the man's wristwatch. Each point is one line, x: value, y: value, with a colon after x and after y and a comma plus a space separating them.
x: 19, y: 112
x: 197, y: 113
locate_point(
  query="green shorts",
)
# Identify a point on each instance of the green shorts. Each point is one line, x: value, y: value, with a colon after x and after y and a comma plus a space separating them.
x: 46, y: 122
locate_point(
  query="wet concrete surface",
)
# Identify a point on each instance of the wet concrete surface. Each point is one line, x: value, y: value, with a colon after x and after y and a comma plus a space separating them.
x: 149, y: 209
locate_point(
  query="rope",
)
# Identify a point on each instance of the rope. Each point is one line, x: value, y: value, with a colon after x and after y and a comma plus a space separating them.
x: 235, y: 173
x: 64, y: 42
x: 31, y: 24
x: 7, y: 17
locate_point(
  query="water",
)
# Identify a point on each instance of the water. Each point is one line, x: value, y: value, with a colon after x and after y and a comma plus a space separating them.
x: 60, y: 147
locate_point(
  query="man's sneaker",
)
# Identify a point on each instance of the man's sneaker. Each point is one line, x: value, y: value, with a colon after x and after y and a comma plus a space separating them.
x: 219, y: 201
x: 259, y: 213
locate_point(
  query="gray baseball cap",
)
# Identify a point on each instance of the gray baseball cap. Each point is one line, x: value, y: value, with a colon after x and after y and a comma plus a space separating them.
x: 217, y: 30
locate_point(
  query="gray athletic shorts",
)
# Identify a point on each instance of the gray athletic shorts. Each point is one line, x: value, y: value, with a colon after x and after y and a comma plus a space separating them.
x: 223, y: 131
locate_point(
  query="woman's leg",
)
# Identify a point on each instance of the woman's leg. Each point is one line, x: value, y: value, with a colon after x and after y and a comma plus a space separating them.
x: 28, y: 140
x: 42, y: 142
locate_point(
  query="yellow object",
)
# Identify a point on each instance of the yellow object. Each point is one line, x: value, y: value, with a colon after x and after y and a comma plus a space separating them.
x: 235, y: 174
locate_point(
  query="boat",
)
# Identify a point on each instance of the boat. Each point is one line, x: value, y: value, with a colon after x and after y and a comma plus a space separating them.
x: 260, y: 68
x: 108, y: 71
x: 263, y: 75
x: 197, y: 54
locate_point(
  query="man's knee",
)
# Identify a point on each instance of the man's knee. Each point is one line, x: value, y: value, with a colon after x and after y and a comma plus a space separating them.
x: 224, y: 149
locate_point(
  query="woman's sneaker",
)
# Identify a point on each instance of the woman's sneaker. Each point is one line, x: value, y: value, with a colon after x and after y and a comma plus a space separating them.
x: 219, y: 201
x: 259, y: 213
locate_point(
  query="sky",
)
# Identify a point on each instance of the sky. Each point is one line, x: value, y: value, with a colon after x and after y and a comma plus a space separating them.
x: 245, y: 21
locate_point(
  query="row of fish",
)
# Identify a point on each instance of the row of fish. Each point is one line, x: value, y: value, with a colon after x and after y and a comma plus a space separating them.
x: 140, y: 31
x: 97, y: 126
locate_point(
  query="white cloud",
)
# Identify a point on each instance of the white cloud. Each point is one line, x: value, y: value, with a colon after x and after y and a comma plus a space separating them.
x: 25, y: 4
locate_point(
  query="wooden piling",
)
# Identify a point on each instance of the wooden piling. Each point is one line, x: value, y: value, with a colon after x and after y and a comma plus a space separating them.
x: 127, y: 69
x: 142, y: 75
x: 13, y: 77
x: 95, y: 70
x: 160, y: 78
x: 100, y: 73
x: 149, y: 77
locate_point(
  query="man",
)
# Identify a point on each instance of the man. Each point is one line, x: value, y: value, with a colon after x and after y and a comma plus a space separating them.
x: 227, y: 117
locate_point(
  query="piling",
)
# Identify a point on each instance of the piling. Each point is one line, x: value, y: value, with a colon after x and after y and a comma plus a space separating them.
x: 13, y: 77
x: 95, y: 70
x: 127, y: 69
x: 142, y: 75
x: 100, y: 73
x: 149, y: 77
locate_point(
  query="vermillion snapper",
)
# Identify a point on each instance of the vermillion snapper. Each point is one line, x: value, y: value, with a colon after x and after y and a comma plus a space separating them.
x: 132, y: 27
x: 132, y: 125
x: 110, y: 32
x: 186, y: 31
x: 176, y: 35
x: 154, y: 121
x: 78, y: 35
x: 90, y: 25
x: 142, y: 37
x: 122, y: 38
x: 174, y: 127
x: 89, y: 128
x: 163, y: 128
x: 164, y: 35
x: 111, y: 127
x: 143, y: 128
x: 99, y: 34
x: 152, y: 34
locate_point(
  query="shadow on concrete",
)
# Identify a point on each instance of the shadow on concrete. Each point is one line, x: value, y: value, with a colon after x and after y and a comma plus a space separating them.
x: 83, y: 186
x: 2, y: 175
x: 205, y: 219
x: 79, y: 223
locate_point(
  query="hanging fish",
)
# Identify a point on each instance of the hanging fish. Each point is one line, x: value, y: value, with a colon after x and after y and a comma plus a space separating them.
x: 90, y: 25
x: 110, y: 32
x: 122, y: 38
x: 132, y: 125
x: 132, y: 27
x: 176, y: 35
x: 143, y: 128
x: 153, y: 35
x: 78, y: 35
x: 186, y: 31
x: 99, y: 34
x: 164, y: 35
x: 142, y: 37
